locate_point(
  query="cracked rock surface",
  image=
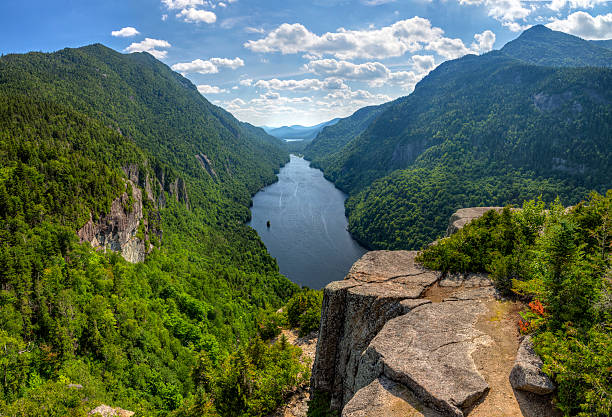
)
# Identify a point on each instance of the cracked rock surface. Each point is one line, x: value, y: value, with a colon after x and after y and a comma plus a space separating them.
x: 397, y: 339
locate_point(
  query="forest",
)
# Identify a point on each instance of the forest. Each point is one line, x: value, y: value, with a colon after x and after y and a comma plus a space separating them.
x: 187, y: 332
x: 530, y: 119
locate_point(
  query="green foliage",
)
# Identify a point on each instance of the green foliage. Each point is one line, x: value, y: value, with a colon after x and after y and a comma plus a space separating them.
x: 332, y: 138
x: 253, y: 381
x: 304, y: 310
x: 73, y: 124
x: 480, y: 130
x: 563, y: 50
x: 581, y: 364
x: 560, y: 258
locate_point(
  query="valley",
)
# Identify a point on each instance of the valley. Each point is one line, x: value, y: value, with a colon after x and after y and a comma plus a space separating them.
x: 162, y: 255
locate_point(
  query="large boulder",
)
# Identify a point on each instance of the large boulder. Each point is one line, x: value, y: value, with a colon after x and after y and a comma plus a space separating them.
x: 465, y: 215
x: 527, y: 375
x: 429, y: 350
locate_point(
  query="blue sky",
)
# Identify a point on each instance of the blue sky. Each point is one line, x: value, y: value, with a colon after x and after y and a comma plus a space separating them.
x: 277, y: 62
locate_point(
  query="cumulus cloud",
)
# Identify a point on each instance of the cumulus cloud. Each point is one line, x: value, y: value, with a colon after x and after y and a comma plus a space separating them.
x: 308, y: 84
x: 368, y: 71
x: 151, y: 46
x: 483, y: 41
x: 584, y: 25
x: 246, y: 82
x: 126, y: 32
x: 423, y: 63
x: 408, y: 35
x: 210, y: 89
x: 272, y: 107
x: 557, y: 5
x: 192, y: 15
x: 505, y: 11
x: 211, y: 66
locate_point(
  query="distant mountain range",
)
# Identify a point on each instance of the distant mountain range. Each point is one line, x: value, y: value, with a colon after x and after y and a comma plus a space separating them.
x: 530, y: 119
x: 298, y: 131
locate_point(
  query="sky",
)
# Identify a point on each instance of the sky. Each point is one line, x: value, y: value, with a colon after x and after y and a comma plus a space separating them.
x: 283, y: 62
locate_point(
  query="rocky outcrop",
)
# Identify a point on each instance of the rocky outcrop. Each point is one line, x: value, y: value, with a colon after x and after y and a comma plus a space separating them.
x: 527, y: 372
x: 107, y: 411
x: 356, y: 309
x: 465, y: 215
x: 118, y: 229
x: 207, y: 165
x: 397, y: 339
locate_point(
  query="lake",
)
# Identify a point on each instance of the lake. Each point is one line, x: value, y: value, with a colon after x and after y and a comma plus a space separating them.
x: 308, y: 230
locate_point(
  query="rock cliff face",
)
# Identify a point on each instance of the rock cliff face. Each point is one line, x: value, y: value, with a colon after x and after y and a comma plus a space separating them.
x: 117, y: 230
x: 397, y: 339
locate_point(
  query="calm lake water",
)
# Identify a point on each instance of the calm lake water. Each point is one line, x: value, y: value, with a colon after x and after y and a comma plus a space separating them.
x: 307, y: 233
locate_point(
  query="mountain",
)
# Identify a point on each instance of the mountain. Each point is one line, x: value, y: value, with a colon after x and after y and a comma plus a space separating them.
x: 561, y: 49
x: 604, y: 44
x: 107, y: 158
x: 297, y: 131
x: 479, y: 130
x: 334, y: 137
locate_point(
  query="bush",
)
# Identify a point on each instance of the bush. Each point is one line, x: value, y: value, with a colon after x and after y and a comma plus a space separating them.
x: 304, y: 310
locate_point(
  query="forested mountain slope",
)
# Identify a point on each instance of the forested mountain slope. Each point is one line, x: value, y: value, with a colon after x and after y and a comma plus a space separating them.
x: 479, y: 130
x: 334, y: 137
x: 75, y: 127
x: 562, y: 49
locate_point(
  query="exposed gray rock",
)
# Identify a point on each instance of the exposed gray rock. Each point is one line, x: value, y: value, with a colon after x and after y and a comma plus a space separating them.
x: 429, y: 351
x: 527, y: 375
x: 207, y: 165
x: 397, y: 339
x: 385, y: 398
x: 355, y: 311
x: 465, y: 215
x: 107, y: 411
x: 117, y: 230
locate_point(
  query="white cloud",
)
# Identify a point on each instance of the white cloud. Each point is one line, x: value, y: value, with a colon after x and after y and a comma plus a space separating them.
x: 423, y: 63
x: 126, y: 32
x: 408, y: 35
x: 210, y: 89
x: 211, y: 66
x: 375, y: 74
x: 308, y: 84
x: 273, y: 108
x: 250, y: 29
x: 584, y: 25
x: 181, y: 4
x: 557, y: 5
x: 164, y: 17
x: 347, y: 70
x: 505, y: 11
x: 246, y: 82
x: 193, y: 15
x: 483, y: 41
x: 151, y: 46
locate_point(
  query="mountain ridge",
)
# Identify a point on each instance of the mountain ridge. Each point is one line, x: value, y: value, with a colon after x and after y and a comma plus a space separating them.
x: 479, y: 130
